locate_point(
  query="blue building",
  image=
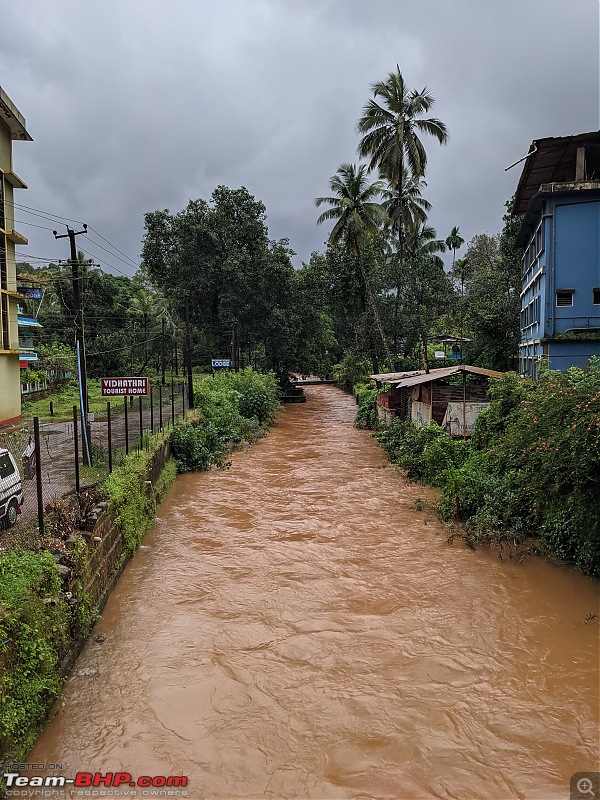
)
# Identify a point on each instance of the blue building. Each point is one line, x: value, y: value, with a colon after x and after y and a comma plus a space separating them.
x: 559, y: 194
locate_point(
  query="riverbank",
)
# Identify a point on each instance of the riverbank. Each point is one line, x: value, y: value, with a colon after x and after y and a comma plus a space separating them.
x: 529, y: 476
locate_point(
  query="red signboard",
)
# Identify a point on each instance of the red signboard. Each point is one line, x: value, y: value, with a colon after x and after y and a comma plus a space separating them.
x: 125, y: 387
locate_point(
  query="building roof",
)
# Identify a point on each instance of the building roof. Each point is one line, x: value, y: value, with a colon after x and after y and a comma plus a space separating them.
x: 447, y: 339
x: 27, y: 322
x: 13, y: 118
x: 553, y: 160
x: 443, y: 372
x: 388, y: 377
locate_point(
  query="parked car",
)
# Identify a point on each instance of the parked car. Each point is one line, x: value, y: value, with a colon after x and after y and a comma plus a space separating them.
x: 11, y: 491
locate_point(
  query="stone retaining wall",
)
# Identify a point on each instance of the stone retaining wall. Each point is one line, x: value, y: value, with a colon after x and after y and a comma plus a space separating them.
x: 106, y: 559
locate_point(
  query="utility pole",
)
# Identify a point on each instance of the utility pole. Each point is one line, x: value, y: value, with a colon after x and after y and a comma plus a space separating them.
x: 235, y: 346
x: 79, y: 340
x: 162, y: 352
x: 188, y: 347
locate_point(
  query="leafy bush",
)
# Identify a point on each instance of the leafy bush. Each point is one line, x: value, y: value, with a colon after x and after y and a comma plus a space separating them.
x: 133, y: 499
x: 232, y: 407
x: 366, y: 416
x: 531, y: 470
x: 259, y: 394
x: 425, y: 453
x: 198, y: 447
x: 352, y: 369
x: 32, y: 634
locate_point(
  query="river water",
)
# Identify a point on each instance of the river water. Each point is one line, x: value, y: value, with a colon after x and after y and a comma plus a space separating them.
x: 295, y: 627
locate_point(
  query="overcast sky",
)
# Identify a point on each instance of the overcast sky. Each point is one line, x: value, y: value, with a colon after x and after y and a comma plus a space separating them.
x: 138, y: 105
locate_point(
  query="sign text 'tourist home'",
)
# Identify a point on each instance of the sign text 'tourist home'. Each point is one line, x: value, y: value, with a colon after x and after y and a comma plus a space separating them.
x: 121, y: 387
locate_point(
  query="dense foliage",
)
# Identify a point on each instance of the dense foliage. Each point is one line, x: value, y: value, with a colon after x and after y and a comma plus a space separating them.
x: 32, y: 634
x: 231, y: 407
x: 134, y: 500
x: 531, y: 471
x: 366, y: 397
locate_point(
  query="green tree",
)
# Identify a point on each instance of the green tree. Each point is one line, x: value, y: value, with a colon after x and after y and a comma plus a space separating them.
x: 427, y: 285
x: 492, y: 301
x: 217, y: 257
x: 454, y: 242
x: 392, y: 124
x: 105, y: 301
x: 358, y: 218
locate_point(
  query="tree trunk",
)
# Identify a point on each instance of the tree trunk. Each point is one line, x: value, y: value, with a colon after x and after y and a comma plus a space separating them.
x: 421, y: 332
x: 376, y: 316
x: 423, y: 346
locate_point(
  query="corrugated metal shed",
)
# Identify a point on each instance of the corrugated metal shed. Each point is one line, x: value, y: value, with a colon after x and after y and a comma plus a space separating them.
x: 444, y: 372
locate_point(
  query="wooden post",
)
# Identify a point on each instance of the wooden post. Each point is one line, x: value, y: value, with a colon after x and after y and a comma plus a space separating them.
x: 108, y: 419
x: 141, y: 420
x: 151, y: 410
x: 580, y: 165
x: 464, y: 385
x: 172, y: 402
x: 160, y: 419
x: 126, y: 427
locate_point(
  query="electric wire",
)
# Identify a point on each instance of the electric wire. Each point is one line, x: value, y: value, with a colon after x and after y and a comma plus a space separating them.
x: 49, y: 215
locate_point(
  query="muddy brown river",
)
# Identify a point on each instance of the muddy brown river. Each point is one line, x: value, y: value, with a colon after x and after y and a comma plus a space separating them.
x: 295, y: 628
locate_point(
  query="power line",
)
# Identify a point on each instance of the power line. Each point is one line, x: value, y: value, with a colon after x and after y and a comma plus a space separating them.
x: 112, y: 245
x: 51, y: 217
x: 52, y: 260
x: 125, y: 347
x: 93, y: 255
x: 114, y: 255
x: 31, y: 224
x: 39, y: 212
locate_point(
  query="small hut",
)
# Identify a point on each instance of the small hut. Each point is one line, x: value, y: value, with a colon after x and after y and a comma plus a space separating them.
x: 442, y: 395
x: 394, y: 402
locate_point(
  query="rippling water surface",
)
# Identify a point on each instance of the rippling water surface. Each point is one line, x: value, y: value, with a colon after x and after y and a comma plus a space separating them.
x: 293, y: 627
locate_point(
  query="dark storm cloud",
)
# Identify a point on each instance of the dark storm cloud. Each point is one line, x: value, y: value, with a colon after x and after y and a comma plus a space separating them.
x: 136, y: 105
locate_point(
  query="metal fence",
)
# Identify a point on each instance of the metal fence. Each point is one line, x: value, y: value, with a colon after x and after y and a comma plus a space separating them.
x: 51, y: 463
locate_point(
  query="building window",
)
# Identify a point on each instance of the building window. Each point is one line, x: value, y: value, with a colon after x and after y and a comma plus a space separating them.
x: 5, y: 337
x: 3, y: 272
x: 597, y: 297
x: 564, y: 297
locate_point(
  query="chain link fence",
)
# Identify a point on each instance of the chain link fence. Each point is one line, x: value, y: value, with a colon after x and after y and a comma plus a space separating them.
x: 52, y: 466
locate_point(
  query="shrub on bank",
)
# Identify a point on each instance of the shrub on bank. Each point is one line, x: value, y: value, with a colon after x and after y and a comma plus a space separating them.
x: 232, y: 406
x: 352, y: 369
x: 366, y: 416
x: 135, y: 501
x: 32, y: 634
x: 425, y: 453
x: 531, y: 470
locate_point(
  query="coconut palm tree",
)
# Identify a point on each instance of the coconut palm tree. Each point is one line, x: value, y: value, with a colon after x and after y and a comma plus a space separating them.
x: 406, y: 206
x: 390, y: 129
x: 391, y: 125
x: 454, y: 242
x: 358, y: 217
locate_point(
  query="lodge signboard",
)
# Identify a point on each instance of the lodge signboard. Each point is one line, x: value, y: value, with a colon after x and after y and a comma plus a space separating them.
x: 220, y: 363
x: 33, y: 292
x: 125, y: 387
